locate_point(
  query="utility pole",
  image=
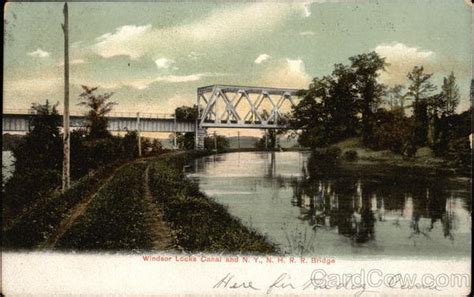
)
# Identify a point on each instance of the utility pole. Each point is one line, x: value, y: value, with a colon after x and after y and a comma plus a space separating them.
x: 266, y: 140
x: 238, y: 139
x: 66, y: 139
x: 138, y: 135
x: 215, y: 141
x: 175, y: 135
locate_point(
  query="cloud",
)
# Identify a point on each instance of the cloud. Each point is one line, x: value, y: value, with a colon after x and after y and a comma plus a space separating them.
x: 141, y: 84
x: 305, y: 33
x: 164, y: 63
x: 261, y: 58
x: 402, y: 58
x: 289, y: 73
x: 39, y: 53
x: 182, y: 78
x: 228, y: 25
x: 77, y: 61
x: 123, y: 42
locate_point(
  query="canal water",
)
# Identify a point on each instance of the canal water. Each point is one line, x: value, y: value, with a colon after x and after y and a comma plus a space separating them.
x: 363, y: 210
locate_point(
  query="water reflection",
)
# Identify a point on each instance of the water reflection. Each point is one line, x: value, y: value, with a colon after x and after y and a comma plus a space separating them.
x: 352, y: 207
x: 358, y: 210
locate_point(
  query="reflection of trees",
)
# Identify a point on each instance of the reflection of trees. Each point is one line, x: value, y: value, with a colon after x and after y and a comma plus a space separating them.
x: 354, y: 207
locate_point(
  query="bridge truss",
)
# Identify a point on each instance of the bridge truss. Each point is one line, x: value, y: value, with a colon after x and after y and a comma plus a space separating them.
x: 243, y: 107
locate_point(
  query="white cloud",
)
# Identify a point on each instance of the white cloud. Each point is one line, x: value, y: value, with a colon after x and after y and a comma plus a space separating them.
x: 287, y: 73
x: 164, y: 63
x: 307, y: 9
x: 305, y: 33
x: 223, y: 25
x: 296, y: 66
x: 402, y: 58
x: 181, y: 78
x: 141, y: 84
x: 39, y: 53
x: 77, y: 61
x: 123, y: 42
x: 261, y: 58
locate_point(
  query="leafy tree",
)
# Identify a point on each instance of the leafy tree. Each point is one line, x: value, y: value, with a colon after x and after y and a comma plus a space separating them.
x: 38, y: 158
x: 210, y: 142
x: 100, y: 106
x: 309, y: 115
x: 186, y: 113
x: 393, y: 131
x: 367, y: 68
x: 185, y: 141
x: 396, y: 98
x: 449, y: 95
x: 419, y: 91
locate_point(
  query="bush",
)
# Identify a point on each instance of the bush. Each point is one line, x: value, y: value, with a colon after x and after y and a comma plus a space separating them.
x: 350, y: 156
x: 324, y: 160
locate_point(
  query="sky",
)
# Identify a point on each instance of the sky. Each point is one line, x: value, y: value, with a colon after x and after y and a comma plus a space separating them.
x: 153, y: 55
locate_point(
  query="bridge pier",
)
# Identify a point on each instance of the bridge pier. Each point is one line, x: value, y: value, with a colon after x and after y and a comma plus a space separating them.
x: 199, y: 135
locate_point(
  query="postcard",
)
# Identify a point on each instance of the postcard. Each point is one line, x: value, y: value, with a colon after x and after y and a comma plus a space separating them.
x: 248, y: 148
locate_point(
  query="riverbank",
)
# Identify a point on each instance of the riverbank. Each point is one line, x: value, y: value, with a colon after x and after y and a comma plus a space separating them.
x: 146, y: 204
x: 198, y: 222
x: 424, y: 160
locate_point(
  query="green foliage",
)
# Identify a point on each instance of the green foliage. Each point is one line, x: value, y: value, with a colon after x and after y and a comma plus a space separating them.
x: 38, y: 160
x: 219, y: 141
x: 367, y: 68
x: 44, y: 219
x: 185, y: 141
x: 186, y: 113
x: 392, y: 131
x: 350, y: 156
x: 200, y: 223
x: 336, y: 107
x: 419, y: 91
x: 115, y: 219
x: 271, y: 140
x: 99, y: 106
x: 323, y: 161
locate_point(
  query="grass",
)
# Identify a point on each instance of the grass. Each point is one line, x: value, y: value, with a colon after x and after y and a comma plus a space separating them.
x: 38, y: 224
x: 199, y: 223
x: 116, y: 217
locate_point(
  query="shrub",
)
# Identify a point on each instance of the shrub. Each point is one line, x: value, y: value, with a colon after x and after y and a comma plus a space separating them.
x: 350, y: 156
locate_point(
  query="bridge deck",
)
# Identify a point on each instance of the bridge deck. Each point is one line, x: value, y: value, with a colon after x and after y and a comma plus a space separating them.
x: 20, y: 122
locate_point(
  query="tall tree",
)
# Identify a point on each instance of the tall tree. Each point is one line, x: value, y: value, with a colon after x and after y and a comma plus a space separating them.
x: 367, y: 68
x: 419, y: 91
x: 100, y: 106
x: 449, y: 95
x: 38, y: 158
x: 396, y: 98
x: 443, y: 107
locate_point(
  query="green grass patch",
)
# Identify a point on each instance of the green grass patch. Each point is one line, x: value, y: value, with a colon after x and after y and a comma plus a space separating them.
x: 42, y: 221
x: 115, y: 219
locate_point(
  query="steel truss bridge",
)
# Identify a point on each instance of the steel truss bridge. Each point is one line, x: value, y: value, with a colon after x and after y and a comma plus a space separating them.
x: 225, y: 106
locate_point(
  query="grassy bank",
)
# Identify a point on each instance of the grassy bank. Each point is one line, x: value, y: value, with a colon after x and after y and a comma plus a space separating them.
x: 424, y: 160
x: 199, y: 223
x: 38, y: 224
x: 116, y: 217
